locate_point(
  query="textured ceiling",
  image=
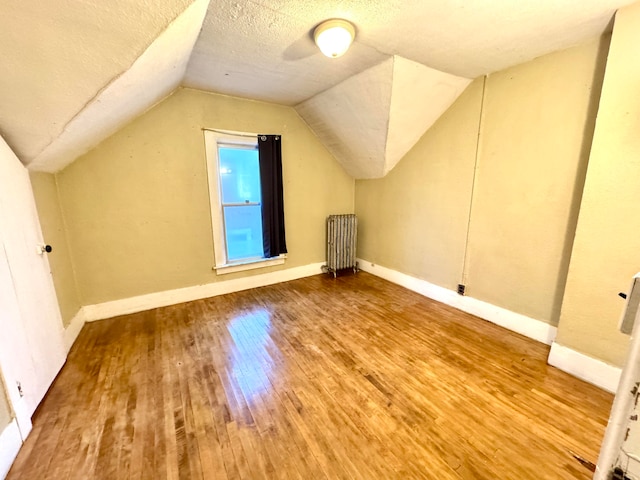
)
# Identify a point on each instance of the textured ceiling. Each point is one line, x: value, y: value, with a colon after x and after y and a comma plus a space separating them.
x: 57, y: 55
x: 73, y: 71
x: 263, y: 49
x: 154, y: 74
x: 371, y: 120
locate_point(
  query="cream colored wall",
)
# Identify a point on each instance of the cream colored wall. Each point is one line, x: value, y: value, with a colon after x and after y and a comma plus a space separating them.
x: 5, y: 409
x: 606, y: 250
x: 137, y: 206
x: 534, y: 136
x: 415, y: 219
x: 46, y: 194
x: 534, y: 145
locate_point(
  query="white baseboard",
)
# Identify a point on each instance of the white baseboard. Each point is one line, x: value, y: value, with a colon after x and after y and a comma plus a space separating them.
x: 10, y: 443
x: 140, y: 303
x: 582, y: 366
x: 73, y: 329
x: 587, y: 368
x: 527, y: 326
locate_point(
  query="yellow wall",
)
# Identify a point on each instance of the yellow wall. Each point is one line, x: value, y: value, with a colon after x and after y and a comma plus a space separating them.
x: 415, y: 218
x: 606, y: 250
x: 490, y: 195
x: 534, y: 135
x: 534, y: 145
x: 137, y: 206
x: 51, y: 219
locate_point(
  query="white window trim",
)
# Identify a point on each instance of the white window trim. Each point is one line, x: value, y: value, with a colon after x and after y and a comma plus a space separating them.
x: 222, y: 266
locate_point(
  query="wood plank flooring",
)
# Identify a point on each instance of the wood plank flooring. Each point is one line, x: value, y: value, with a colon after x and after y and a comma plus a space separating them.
x: 315, y: 378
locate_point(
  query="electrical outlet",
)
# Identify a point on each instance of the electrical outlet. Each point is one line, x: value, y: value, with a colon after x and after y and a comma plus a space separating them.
x: 461, y: 289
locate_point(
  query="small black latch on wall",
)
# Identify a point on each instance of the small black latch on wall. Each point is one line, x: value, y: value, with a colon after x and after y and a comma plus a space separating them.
x: 461, y: 288
x: 618, y: 474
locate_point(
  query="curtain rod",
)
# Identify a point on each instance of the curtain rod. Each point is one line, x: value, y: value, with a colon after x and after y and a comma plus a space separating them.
x: 231, y: 132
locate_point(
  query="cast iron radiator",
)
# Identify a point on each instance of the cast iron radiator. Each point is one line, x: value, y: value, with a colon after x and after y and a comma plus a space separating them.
x: 342, y: 234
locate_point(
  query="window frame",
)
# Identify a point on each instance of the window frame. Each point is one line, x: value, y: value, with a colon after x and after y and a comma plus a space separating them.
x: 222, y: 265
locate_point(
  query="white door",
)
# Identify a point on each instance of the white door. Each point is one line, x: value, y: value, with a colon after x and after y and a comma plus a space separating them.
x: 621, y: 444
x: 32, y: 336
x: 13, y: 345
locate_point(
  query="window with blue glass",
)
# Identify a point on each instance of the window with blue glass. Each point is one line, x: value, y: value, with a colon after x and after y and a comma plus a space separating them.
x: 236, y: 199
x: 239, y: 173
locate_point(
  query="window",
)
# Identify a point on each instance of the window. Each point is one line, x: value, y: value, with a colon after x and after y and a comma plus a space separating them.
x: 236, y: 202
x: 239, y: 177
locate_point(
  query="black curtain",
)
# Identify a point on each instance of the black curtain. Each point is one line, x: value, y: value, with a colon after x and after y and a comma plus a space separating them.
x: 270, y: 154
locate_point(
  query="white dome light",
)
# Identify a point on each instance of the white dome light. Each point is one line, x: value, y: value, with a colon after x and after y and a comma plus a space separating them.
x: 334, y: 37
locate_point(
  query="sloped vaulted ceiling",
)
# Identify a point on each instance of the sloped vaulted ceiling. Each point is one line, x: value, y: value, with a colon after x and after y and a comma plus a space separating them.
x: 153, y: 75
x: 74, y: 71
x: 371, y: 120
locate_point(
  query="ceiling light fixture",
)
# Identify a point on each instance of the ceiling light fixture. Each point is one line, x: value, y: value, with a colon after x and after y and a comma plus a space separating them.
x: 334, y: 37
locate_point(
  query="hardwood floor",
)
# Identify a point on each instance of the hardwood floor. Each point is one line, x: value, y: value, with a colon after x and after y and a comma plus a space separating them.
x: 315, y: 378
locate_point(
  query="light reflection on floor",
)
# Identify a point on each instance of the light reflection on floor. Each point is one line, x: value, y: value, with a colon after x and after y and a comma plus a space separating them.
x: 251, y: 363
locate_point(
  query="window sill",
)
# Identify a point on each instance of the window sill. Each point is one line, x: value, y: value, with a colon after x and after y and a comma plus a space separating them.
x: 250, y: 265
